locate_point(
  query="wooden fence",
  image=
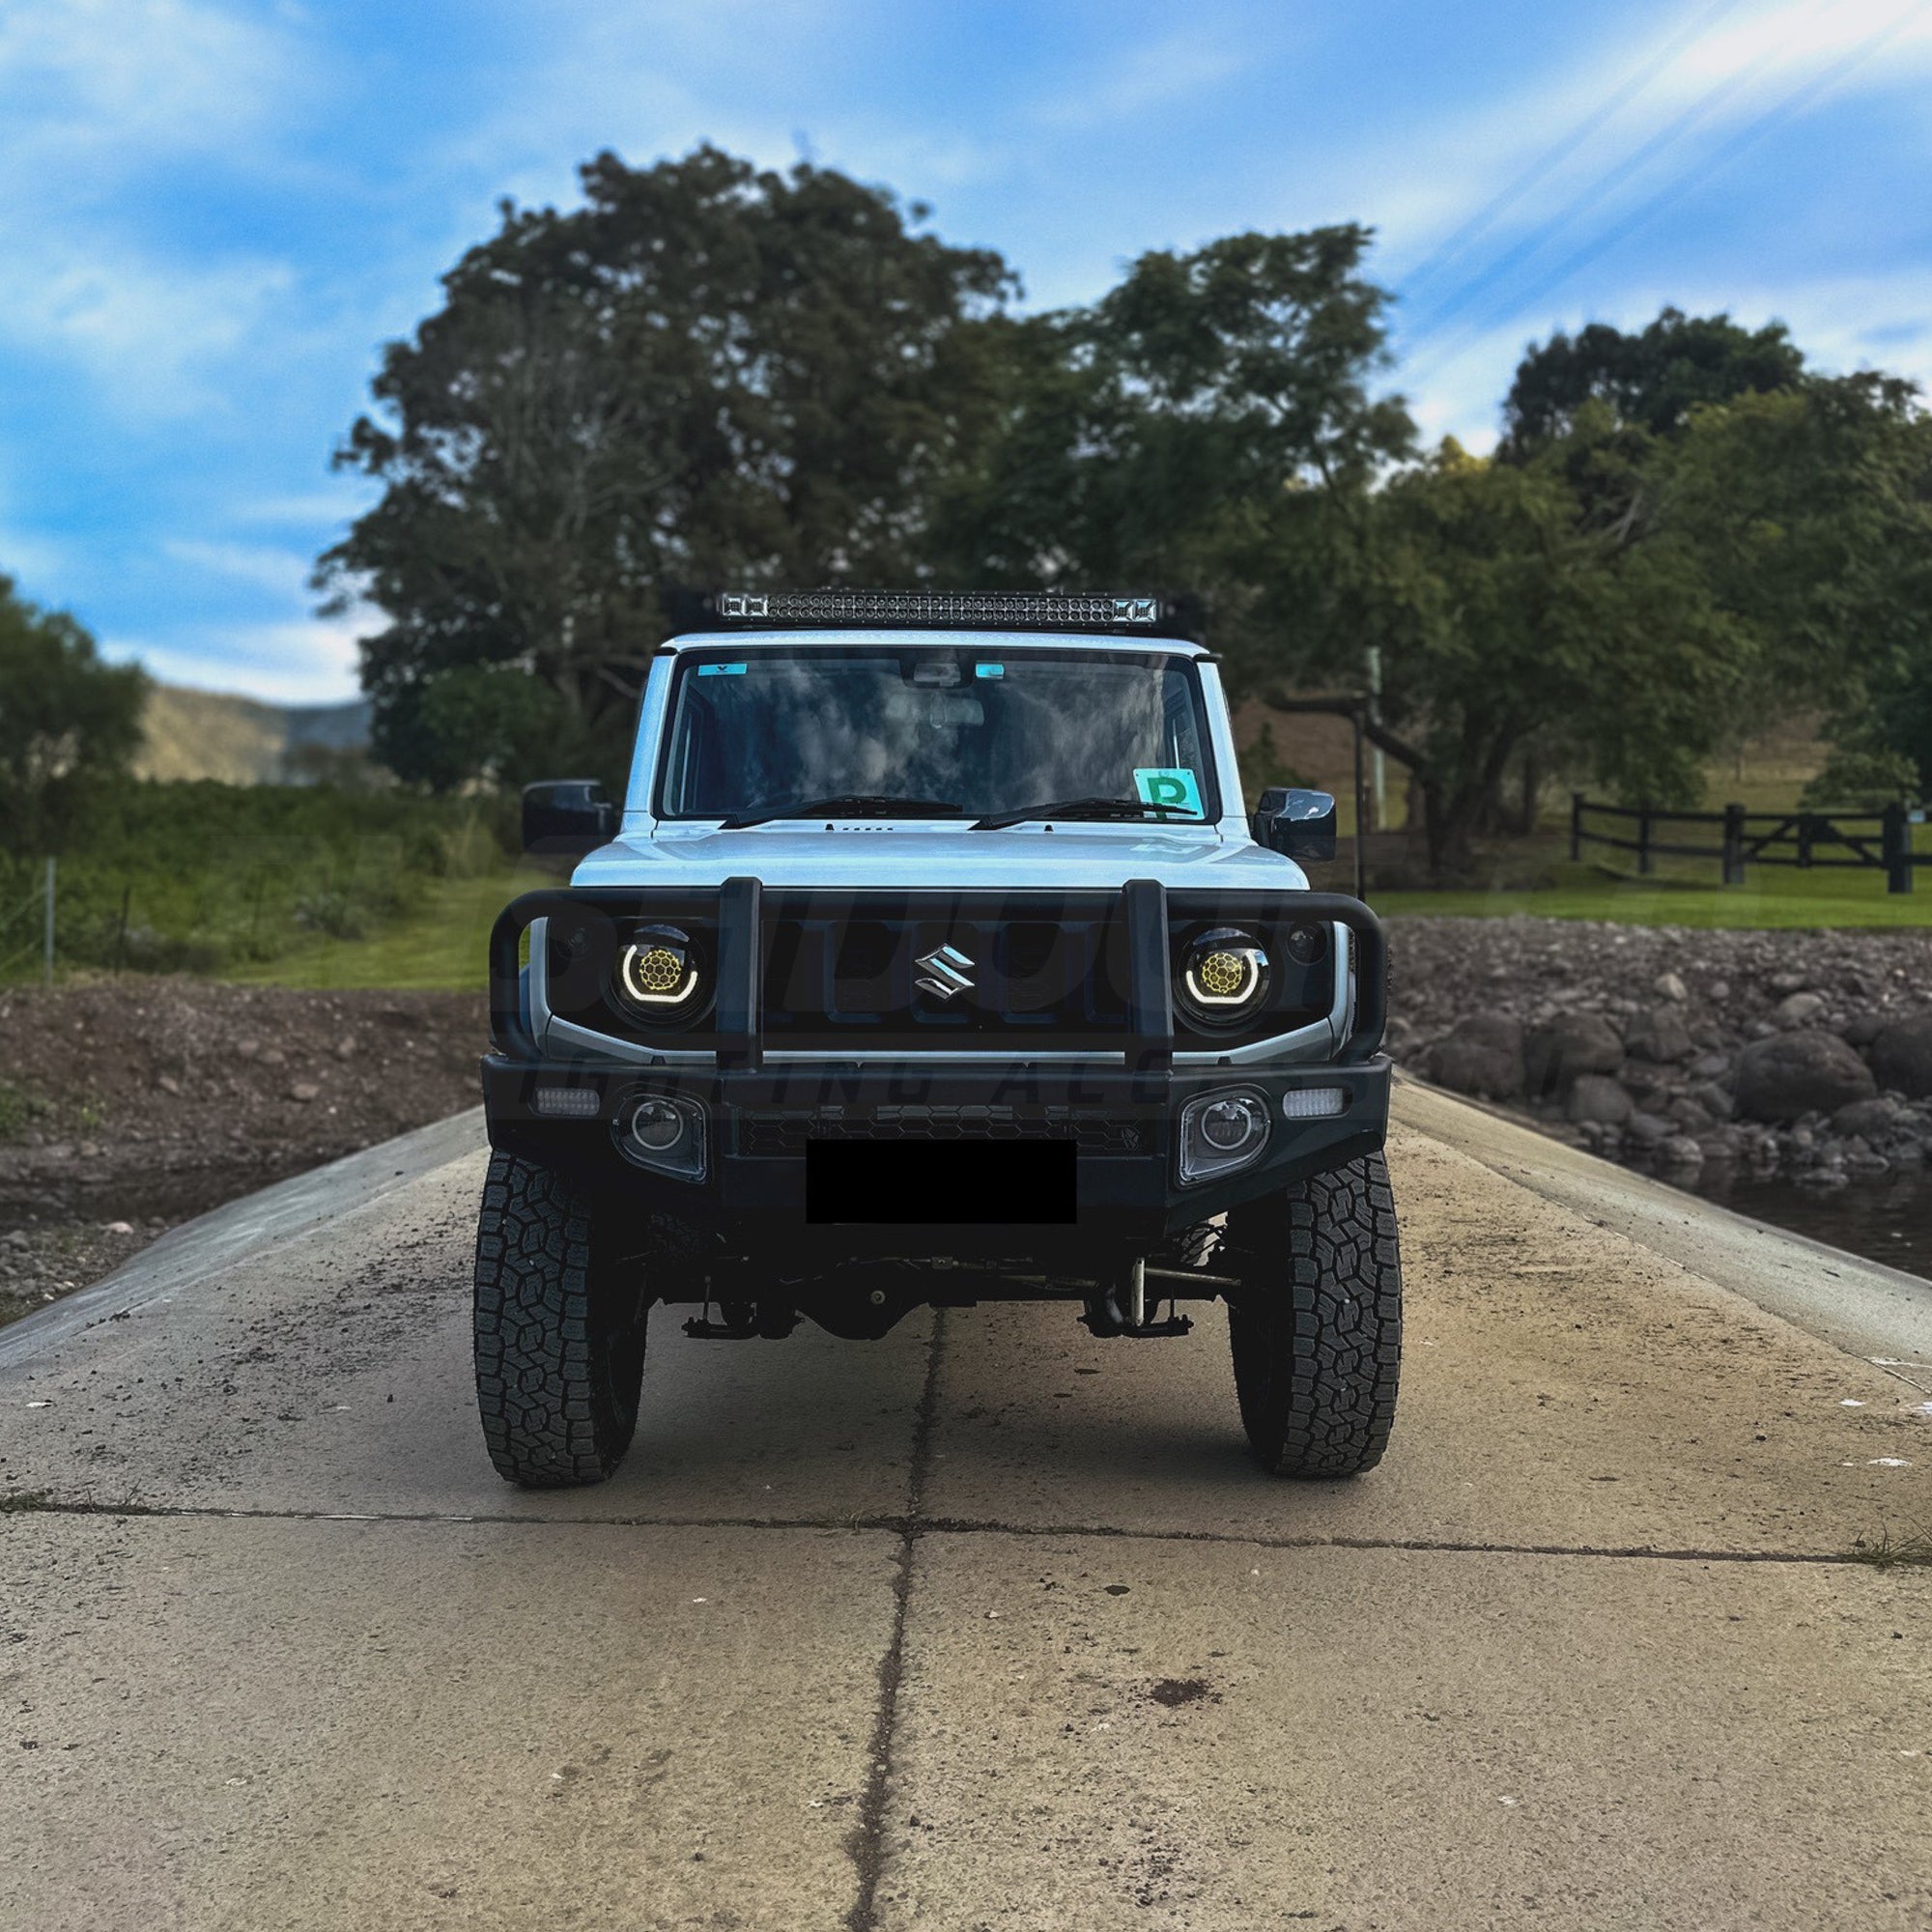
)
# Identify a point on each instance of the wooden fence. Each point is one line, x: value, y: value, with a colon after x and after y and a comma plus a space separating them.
x: 1876, y: 840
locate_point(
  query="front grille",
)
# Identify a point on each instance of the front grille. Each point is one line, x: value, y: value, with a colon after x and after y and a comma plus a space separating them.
x: 857, y: 970
x: 771, y: 1132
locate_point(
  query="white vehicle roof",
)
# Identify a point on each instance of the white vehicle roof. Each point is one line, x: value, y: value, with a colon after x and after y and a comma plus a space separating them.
x: 1000, y: 639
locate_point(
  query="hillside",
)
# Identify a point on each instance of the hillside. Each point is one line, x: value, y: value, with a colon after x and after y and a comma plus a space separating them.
x: 207, y: 734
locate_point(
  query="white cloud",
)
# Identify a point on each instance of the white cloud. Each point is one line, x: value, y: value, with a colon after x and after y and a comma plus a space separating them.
x: 317, y: 506
x: 1126, y: 82
x: 99, y: 97
x: 1425, y: 181
x: 310, y: 661
x: 130, y: 78
x: 278, y: 570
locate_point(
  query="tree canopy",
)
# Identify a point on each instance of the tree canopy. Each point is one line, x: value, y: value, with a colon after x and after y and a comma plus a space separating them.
x: 709, y: 374
x: 1651, y: 380
x: 65, y: 718
x: 706, y: 372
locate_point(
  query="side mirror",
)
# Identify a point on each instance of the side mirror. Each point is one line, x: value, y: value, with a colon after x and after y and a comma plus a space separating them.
x: 567, y: 815
x: 1297, y: 824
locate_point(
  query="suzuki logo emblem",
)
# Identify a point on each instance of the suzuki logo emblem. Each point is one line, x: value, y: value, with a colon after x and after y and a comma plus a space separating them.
x: 947, y: 971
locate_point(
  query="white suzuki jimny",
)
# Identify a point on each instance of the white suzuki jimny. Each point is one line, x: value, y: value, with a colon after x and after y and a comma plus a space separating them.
x: 931, y: 961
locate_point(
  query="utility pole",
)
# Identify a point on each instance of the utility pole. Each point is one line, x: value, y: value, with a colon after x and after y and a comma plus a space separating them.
x: 47, y: 953
x: 1378, y: 761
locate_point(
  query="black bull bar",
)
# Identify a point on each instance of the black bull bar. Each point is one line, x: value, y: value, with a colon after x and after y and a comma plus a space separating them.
x: 1148, y: 1041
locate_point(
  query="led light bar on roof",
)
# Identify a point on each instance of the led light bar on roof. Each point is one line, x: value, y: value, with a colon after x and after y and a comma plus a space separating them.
x: 946, y: 610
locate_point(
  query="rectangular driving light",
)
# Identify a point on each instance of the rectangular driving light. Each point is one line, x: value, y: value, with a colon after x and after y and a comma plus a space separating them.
x: 1313, y: 1103
x: 567, y: 1103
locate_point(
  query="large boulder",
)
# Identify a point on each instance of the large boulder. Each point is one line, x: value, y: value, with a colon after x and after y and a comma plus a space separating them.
x: 1659, y: 1036
x: 1596, y: 1097
x: 1554, y: 1054
x: 1800, y: 1010
x: 1901, y: 1056
x: 1872, y: 1120
x: 1796, y: 1073
x: 1483, y: 1056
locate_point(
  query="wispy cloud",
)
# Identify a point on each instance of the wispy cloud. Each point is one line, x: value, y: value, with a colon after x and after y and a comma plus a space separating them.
x: 279, y: 570
x: 302, y: 662
x: 102, y: 97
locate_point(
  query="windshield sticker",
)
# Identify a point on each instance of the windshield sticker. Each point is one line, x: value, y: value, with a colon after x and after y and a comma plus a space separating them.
x: 721, y: 671
x: 1175, y: 785
x: 989, y: 670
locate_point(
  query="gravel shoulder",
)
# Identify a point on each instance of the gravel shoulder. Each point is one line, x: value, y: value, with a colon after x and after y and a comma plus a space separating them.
x: 128, y: 1106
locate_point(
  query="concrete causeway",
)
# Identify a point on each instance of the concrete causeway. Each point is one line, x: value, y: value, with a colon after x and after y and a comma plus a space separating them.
x: 988, y: 1625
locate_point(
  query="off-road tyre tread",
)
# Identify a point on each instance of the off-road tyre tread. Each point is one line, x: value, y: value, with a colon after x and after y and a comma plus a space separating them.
x: 1317, y: 1331
x: 557, y: 1376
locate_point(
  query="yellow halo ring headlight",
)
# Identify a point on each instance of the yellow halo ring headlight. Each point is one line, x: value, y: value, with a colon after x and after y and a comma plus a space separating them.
x: 658, y: 969
x: 1224, y: 977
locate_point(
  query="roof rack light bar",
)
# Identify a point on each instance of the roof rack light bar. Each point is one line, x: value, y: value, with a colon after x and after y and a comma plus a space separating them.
x: 948, y: 610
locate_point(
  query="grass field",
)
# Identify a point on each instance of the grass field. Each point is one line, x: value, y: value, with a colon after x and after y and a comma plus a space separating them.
x: 1771, y: 897
x: 438, y: 946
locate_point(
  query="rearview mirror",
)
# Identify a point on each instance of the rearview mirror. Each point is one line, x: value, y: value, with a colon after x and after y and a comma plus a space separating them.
x: 567, y: 815
x: 1295, y: 823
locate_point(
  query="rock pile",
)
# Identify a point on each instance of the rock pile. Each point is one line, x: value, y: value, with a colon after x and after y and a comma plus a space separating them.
x: 1806, y: 1054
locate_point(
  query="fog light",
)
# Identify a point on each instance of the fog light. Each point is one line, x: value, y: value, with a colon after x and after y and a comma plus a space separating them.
x: 1312, y: 1103
x: 657, y: 1125
x: 1220, y: 1132
x: 567, y: 1103
x: 663, y: 1132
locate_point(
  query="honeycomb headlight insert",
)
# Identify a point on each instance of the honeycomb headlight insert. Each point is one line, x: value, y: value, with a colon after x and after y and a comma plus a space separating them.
x: 1224, y: 977
x: 659, y: 975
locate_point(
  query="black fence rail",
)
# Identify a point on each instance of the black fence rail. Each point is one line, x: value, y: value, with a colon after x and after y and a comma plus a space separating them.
x: 1875, y: 840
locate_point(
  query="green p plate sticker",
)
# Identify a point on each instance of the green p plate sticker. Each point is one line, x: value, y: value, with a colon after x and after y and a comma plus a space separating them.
x: 1175, y: 785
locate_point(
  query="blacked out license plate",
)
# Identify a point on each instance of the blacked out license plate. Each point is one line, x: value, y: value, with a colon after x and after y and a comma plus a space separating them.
x: 948, y: 1183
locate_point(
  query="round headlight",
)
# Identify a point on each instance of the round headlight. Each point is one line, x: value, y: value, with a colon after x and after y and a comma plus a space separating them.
x: 1224, y: 977
x: 658, y: 972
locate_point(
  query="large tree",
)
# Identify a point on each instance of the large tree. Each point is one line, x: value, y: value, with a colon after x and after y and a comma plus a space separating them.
x: 1813, y: 511
x: 1168, y: 434
x: 706, y: 373
x: 1514, y: 622
x: 66, y: 717
x: 1650, y: 379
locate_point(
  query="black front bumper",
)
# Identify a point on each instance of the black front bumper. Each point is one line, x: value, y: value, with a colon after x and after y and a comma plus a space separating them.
x: 757, y: 1121
x: 763, y: 1109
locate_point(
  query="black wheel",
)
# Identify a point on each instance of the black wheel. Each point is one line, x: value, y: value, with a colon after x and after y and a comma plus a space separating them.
x: 559, y: 1332
x: 1317, y: 1321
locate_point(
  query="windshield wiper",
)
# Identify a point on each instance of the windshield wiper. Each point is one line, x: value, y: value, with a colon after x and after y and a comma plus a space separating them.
x: 1081, y: 808
x: 844, y: 804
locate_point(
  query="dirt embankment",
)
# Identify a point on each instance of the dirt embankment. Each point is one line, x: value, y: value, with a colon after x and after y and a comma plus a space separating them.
x: 1806, y: 1055
x: 128, y: 1106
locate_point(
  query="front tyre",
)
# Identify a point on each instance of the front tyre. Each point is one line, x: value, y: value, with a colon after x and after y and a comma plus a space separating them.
x: 1317, y: 1321
x: 559, y: 1332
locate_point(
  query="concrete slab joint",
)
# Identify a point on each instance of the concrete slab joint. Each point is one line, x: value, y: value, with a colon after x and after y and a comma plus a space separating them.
x: 989, y: 1623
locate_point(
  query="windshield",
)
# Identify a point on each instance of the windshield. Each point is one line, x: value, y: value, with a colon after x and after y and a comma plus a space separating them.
x: 957, y: 734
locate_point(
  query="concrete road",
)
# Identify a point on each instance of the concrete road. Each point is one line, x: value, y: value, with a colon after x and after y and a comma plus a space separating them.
x: 987, y: 1625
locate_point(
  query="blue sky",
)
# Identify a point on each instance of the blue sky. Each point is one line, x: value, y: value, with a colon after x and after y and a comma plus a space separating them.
x: 213, y: 212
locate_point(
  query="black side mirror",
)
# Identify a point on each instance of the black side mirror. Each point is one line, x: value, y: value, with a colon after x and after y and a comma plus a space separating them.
x: 1297, y: 824
x: 567, y: 815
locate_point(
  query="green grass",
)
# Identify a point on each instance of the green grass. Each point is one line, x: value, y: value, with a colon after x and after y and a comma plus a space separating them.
x: 1888, y: 1552
x: 1771, y: 897
x: 438, y: 946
